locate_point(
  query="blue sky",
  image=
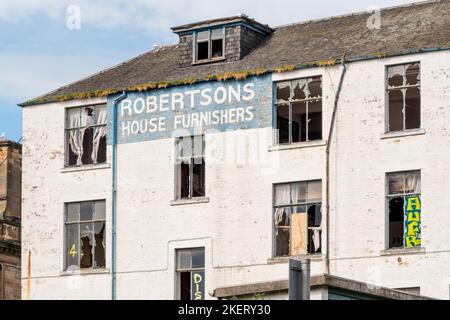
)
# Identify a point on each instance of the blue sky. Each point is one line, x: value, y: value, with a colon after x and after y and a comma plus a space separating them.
x: 39, y: 53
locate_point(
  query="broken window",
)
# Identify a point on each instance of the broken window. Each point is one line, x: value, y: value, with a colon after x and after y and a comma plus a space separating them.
x: 298, y: 218
x: 404, y: 209
x: 190, y: 167
x: 190, y: 269
x: 209, y: 44
x: 86, y: 135
x: 85, y: 235
x: 299, y: 110
x: 403, y: 92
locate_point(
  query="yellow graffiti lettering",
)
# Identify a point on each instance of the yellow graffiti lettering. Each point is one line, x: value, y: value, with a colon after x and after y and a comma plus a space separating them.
x: 412, y: 241
x: 73, y: 251
x: 412, y: 229
x: 413, y: 216
x: 197, y: 278
x: 413, y: 204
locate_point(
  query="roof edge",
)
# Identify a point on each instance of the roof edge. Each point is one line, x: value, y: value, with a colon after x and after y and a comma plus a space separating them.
x: 237, y: 75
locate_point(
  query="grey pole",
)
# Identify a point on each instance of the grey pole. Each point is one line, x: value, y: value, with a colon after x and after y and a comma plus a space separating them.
x: 299, y: 279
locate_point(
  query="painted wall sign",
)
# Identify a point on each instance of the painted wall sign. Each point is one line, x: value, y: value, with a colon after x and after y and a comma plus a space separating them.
x: 197, y: 285
x: 412, y: 229
x: 186, y: 110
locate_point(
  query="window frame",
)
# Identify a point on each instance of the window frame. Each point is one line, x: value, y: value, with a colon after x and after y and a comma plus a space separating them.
x: 178, y: 270
x: 67, y: 131
x: 292, y: 101
x: 306, y: 203
x: 404, y: 86
x: 191, y: 159
x: 79, y: 222
x: 389, y: 197
x: 210, y: 39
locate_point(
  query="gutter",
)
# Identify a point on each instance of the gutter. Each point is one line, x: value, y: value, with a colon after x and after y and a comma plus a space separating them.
x: 327, y: 165
x: 114, y: 195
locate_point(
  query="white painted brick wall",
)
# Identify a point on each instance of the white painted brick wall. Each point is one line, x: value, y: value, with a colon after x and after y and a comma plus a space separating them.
x: 235, y: 227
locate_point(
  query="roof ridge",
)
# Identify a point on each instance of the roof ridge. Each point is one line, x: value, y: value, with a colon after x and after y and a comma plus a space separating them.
x: 357, y: 13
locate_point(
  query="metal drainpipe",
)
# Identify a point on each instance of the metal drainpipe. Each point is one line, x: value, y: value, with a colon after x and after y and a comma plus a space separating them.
x: 327, y: 165
x: 114, y: 194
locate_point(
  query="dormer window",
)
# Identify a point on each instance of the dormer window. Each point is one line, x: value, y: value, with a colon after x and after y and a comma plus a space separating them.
x: 209, y: 45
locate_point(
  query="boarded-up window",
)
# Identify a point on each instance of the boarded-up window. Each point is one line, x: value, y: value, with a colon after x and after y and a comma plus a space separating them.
x: 86, y: 135
x: 85, y: 235
x: 298, y: 106
x: 404, y: 209
x: 403, y: 94
x: 297, y: 218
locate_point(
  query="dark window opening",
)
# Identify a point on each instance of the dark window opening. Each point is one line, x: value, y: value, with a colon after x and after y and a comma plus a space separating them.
x: 403, y: 91
x: 396, y: 223
x: 190, y: 167
x: 203, y: 51
x: 85, y: 235
x: 190, y: 269
x: 86, y: 135
x: 299, y: 110
x: 217, y: 48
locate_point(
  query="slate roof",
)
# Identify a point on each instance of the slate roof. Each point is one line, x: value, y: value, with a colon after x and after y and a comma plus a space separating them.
x: 406, y: 29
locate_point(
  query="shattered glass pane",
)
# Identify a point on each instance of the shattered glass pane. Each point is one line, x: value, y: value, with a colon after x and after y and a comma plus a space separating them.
x: 315, y: 87
x: 395, y: 76
x: 396, y: 183
x: 88, y: 144
x: 396, y: 224
x: 282, y: 242
x: 283, y: 91
x: 100, y: 244
x: 299, y: 121
x: 396, y: 110
x: 217, y: 48
x: 412, y: 74
x: 299, y: 89
x: 198, y: 179
x: 86, y: 242
x: 183, y: 171
x: 283, y: 123
x: 412, y: 108
x: 315, y: 120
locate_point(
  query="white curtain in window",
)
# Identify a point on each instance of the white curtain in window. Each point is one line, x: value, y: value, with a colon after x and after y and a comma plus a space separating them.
x: 282, y: 197
x: 76, y: 136
x: 412, y: 183
x: 99, y: 132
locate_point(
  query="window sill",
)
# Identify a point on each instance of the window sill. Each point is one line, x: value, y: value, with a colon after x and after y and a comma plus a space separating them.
x: 84, y: 272
x: 405, y: 133
x: 312, y: 257
x: 182, y: 202
x: 298, y: 145
x: 196, y: 63
x: 402, y: 251
x: 86, y: 167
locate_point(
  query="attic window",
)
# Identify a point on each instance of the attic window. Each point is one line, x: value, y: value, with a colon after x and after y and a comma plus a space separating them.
x: 209, y: 45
